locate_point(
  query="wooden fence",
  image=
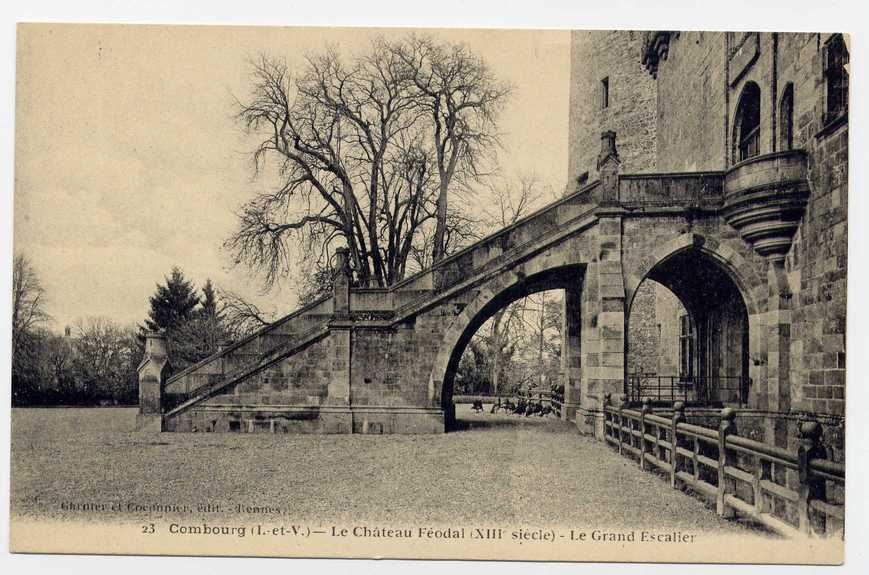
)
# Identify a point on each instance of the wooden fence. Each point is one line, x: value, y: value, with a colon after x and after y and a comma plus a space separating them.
x: 741, y: 475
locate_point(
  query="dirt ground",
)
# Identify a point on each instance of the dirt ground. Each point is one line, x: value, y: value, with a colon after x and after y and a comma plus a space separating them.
x: 67, y: 463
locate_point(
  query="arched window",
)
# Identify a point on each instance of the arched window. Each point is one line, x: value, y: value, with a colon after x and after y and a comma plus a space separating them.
x: 746, y: 132
x: 786, y: 118
x: 835, y: 59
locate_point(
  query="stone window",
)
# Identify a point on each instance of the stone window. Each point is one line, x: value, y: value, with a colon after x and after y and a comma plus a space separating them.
x: 605, y: 93
x: 835, y: 60
x: 746, y: 133
x: 786, y: 118
x: 686, y: 347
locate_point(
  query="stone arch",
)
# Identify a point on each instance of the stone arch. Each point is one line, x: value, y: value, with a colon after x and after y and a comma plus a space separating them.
x: 491, y: 297
x: 731, y: 262
x: 709, y: 281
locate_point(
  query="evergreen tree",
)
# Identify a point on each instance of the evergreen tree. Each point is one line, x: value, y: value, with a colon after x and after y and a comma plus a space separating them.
x: 209, y: 302
x: 173, y: 305
x: 203, y: 334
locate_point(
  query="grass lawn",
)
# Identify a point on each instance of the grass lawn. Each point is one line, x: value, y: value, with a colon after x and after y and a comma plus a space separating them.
x: 501, y: 470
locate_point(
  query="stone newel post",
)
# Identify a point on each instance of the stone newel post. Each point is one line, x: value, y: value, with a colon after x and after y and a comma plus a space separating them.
x: 603, y: 300
x: 150, y: 383
x: 340, y: 334
x: 341, y: 283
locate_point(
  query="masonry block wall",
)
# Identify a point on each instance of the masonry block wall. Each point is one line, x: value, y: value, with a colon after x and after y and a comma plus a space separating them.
x: 300, y: 381
x: 668, y: 306
x: 631, y: 111
x: 653, y: 331
x: 692, y: 95
x: 817, y: 263
x: 700, y: 77
x: 644, y: 337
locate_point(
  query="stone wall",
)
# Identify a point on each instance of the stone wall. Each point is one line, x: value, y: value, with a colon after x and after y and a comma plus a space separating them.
x: 669, y: 310
x: 817, y: 263
x: 699, y: 82
x: 691, y: 102
x: 644, y: 337
x: 612, y: 54
x: 653, y: 330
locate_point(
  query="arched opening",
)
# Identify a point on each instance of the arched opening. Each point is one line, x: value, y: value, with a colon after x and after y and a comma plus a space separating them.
x: 835, y: 65
x: 786, y: 118
x: 687, y: 335
x: 746, y: 125
x: 510, y: 350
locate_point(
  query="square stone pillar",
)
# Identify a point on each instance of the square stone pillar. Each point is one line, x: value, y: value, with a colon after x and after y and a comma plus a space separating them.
x: 603, y: 299
x: 571, y: 352
x: 154, y: 361
x: 341, y: 349
x: 340, y: 338
x: 778, y: 334
x: 603, y: 327
x: 341, y: 284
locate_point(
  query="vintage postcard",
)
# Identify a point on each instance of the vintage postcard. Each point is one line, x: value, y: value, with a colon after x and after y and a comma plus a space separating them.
x: 446, y: 293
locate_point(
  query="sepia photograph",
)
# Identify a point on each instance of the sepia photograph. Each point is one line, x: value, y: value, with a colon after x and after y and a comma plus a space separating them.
x: 430, y: 293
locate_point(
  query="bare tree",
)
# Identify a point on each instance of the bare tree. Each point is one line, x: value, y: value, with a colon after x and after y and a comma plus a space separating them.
x: 462, y: 230
x: 58, y: 358
x: 365, y: 152
x: 241, y: 316
x: 28, y: 300
x: 462, y: 99
x: 511, y: 199
x: 100, y: 356
x: 351, y: 169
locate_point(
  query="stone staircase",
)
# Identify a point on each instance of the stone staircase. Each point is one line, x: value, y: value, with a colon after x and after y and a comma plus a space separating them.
x: 247, y: 357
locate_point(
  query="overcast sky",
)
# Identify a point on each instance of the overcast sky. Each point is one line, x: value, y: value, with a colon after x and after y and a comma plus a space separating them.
x: 128, y: 160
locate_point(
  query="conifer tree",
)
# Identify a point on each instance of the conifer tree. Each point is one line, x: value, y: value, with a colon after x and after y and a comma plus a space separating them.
x: 173, y: 307
x: 173, y: 304
x: 209, y: 302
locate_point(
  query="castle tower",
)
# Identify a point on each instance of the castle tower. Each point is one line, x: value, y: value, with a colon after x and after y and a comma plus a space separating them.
x: 610, y: 91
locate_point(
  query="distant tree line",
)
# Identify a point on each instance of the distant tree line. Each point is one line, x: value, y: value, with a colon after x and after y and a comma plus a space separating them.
x: 95, y: 360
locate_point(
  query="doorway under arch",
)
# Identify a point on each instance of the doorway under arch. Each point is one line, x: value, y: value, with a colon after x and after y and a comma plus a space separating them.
x: 687, y: 334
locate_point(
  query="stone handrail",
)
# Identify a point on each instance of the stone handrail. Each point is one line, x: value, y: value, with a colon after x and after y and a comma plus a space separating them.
x: 543, y: 212
x: 246, y: 340
x: 692, y: 189
x: 249, y: 369
x: 713, y: 463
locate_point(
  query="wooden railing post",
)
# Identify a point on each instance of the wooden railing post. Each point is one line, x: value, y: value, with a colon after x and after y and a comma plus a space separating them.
x: 810, y: 487
x: 622, y: 404
x: 607, y: 415
x: 725, y: 428
x: 756, y: 486
x: 678, y: 417
x: 647, y: 408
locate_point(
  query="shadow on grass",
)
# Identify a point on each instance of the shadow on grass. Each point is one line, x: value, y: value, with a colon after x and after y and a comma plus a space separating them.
x: 497, y: 423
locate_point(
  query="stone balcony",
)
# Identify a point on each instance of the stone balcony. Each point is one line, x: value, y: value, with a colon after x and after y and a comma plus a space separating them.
x: 765, y: 198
